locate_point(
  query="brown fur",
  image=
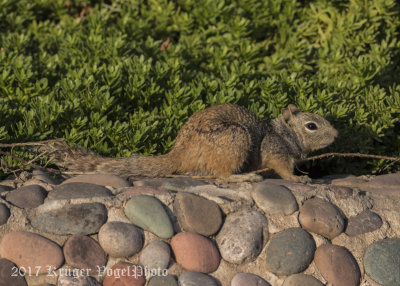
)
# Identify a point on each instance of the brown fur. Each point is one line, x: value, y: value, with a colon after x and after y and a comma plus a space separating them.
x: 220, y: 141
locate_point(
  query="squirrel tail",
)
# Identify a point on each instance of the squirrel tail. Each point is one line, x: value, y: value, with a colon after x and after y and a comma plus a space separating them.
x: 79, y: 160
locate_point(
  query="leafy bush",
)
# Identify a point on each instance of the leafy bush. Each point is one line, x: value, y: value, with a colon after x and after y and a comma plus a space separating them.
x: 122, y: 77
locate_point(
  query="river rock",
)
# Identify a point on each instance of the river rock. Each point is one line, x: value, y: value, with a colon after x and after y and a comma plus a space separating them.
x: 337, y: 265
x: 195, y: 252
x: 148, y: 213
x: 83, y: 280
x: 100, y: 179
x: 274, y: 199
x: 290, y: 251
x: 83, y: 252
x: 382, y: 261
x: 321, y: 217
x: 125, y: 274
x: 120, y: 239
x: 4, y: 213
x: 25, y: 197
x: 192, y: 278
x: 243, y: 236
x: 69, y: 219
x: 302, y: 280
x: 31, y: 251
x: 197, y: 214
x: 248, y: 279
x: 366, y: 221
x: 156, y: 255
x: 168, y: 280
x: 10, y: 274
x: 78, y: 191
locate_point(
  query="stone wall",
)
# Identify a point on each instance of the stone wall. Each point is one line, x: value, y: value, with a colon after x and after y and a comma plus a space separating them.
x: 340, y: 230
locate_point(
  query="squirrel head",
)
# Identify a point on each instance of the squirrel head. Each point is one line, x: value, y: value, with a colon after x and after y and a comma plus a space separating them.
x: 312, y: 130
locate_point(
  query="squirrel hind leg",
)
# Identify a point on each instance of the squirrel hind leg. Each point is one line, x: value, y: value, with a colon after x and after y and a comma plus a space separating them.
x: 218, y: 153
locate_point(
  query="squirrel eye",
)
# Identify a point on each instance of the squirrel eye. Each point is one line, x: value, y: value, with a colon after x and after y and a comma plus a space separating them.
x: 311, y: 126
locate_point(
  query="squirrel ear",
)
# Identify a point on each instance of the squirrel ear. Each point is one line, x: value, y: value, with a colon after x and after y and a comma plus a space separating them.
x: 289, y: 112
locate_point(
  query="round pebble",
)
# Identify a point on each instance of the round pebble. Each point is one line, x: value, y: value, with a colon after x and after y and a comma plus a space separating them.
x: 83, y: 252
x: 25, y: 197
x: 191, y: 278
x: 156, y: 255
x: 243, y: 236
x: 4, y: 213
x: 120, y: 239
x: 274, y: 199
x: 168, y: 280
x: 337, y: 265
x: 9, y: 274
x: 195, y: 252
x: 100, y: 179
x: 302, y: 280
x: 148, y: 213
x: 83, y: 280
x: 382, y: 261
x: 248, y: 279
x: 125, y: 274
x: 321, y: 217
x: 78, y: 191
x: 290, y: 251
x: 31, y: 250
x: 69, y: 219
x: 366, y: 221
x: 197, y: 214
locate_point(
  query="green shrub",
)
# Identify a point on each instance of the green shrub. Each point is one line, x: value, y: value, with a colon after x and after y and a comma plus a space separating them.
x: 122, y: 77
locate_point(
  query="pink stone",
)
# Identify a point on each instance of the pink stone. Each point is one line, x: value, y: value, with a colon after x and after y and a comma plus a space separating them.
x: 337, y: 265
x: 31, y: 251
x: 125, y: 274
x: 195, y: 252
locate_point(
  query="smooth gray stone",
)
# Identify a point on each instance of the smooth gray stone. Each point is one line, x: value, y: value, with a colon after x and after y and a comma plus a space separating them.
x: 382, y: 261
x: 243, y: 236
x: 274, y: 199
x: 156, y: 255
x: 78, y: 191
x: 25, y: 197
x: 366, y: 221
x: 192, y: 278
x: 302, y: 280
x: 290, y: 251
x: 120, y: 239
x: 168, y: 280
x: 70, y: 219
x: 248, y: 279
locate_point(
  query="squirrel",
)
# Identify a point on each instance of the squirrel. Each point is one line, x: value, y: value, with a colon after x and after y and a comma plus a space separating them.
x: 220, y: 141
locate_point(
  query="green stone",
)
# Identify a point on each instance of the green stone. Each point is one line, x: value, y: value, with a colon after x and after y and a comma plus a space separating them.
x: 382, y: 262
x: 148, y: 213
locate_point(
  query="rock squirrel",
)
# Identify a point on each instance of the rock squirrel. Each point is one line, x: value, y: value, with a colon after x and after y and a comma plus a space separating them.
x: 219, y: 141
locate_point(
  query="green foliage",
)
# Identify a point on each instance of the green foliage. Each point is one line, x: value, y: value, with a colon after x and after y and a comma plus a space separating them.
x: 122, y: 77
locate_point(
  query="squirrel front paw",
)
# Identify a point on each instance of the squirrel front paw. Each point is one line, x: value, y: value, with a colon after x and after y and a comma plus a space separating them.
x: 241, y: 178
x: 301, y: 179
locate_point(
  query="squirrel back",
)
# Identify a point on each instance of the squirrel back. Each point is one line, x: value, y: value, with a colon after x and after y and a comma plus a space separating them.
x: 219, y: 141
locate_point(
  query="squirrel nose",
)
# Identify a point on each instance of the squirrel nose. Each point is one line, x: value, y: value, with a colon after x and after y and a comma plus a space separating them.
x: 335, y: 133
